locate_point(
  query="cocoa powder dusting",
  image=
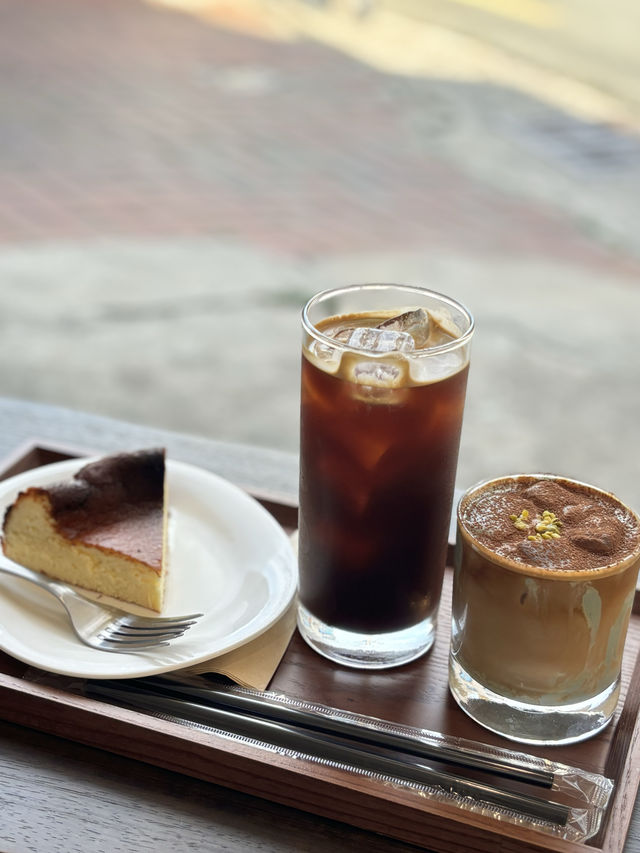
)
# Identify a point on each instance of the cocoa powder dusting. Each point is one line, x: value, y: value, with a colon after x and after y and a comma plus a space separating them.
x: 585, y: 529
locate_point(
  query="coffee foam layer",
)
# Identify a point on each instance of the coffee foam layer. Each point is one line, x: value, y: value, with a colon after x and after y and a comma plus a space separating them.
x: 425, y: 362
x: 594, y: 530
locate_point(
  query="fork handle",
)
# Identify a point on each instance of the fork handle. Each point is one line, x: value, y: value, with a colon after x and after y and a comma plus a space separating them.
x: 8, y: 567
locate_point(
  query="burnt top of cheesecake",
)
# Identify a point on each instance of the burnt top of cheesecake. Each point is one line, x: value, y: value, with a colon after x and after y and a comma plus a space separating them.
x: 116, y: 503
x: 124, y: 479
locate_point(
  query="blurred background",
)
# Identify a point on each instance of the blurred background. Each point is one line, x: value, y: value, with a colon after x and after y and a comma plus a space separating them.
x: 177, y: 177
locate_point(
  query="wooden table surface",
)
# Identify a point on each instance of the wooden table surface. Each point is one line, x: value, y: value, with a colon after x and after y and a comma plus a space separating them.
x: 56, y: 795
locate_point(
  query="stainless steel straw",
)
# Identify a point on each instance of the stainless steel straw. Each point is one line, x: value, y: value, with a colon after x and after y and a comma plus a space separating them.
x: 323, y: 745
x: 271, y: 708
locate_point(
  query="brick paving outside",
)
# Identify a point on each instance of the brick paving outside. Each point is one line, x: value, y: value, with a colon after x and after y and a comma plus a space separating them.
x: 168, y: 184
x: 122, y: 118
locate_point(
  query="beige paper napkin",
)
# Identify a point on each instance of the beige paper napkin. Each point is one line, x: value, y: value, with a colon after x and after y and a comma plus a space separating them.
x: 254, y: 663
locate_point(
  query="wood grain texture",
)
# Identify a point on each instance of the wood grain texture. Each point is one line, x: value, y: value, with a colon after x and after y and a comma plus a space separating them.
x: 61, y: 796
x: 310, y: 787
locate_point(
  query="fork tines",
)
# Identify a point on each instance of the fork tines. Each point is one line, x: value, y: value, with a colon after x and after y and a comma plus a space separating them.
x: 129, y: 630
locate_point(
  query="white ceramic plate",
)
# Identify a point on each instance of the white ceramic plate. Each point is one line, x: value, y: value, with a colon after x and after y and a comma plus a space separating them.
x: 228, y: 559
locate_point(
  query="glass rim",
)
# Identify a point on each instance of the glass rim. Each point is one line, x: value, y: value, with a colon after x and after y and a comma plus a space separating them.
x: 551, y: 574
x: 464, y: 338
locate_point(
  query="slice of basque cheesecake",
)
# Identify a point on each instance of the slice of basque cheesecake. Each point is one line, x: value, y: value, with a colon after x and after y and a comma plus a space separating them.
x: 104, y: 530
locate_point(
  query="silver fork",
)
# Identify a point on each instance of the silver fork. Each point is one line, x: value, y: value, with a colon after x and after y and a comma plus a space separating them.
x: 104, y: 627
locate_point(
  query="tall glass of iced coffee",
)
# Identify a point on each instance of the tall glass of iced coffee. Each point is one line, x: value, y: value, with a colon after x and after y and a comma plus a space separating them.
x: 544, y: 583
x: 384, y: 372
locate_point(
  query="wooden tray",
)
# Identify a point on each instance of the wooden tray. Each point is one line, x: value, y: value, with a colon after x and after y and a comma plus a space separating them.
x: 415, y: 695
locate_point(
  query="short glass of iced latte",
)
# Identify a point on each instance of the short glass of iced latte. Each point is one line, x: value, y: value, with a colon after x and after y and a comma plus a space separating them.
x: 544, y: 583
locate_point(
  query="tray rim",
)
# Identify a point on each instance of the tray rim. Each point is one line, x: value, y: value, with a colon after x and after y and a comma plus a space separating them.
x: 78, y: 718
x: 126, y: 732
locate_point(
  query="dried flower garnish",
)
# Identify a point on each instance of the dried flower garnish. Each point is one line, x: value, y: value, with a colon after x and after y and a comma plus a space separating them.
x: 547, y: 527
x: 521, y: 521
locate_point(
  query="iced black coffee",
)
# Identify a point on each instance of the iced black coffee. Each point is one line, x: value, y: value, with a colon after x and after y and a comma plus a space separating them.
x: 545, y: 578
x: 384, y: 372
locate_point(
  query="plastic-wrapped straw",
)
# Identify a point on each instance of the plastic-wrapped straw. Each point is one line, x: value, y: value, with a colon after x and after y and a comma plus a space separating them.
x: 562, y: 801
